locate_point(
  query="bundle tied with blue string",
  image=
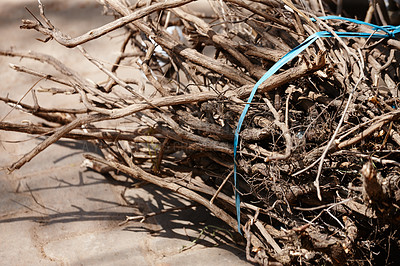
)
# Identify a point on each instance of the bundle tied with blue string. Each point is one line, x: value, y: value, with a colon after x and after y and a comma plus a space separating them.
x: 281, y: 121
x: 380, y: 32
x: 358, y: 89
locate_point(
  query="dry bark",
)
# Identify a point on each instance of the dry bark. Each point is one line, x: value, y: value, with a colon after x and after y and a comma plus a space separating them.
x: 335, y: 106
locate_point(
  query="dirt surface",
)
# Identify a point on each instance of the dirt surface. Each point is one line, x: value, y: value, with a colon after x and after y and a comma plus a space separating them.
x: 52, y: 211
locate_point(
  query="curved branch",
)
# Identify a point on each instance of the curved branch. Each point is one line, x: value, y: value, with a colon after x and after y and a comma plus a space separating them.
x: 67, y: 41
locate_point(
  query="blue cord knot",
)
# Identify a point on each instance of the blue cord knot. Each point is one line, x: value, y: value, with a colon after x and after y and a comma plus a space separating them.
x: 394, y: 30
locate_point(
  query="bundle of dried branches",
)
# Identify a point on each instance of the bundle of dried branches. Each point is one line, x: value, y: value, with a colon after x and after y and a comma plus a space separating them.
x: 318, y: 156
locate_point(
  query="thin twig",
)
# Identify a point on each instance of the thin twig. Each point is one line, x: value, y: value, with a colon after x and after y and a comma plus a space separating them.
x: 23, y: 96
x: 98, y: 32
x: 344, y: 115
x: 142, y: 218
x: 220, y: 187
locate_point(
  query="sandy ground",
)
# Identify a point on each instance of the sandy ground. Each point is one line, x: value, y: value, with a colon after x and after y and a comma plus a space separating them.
x: 53, y: 212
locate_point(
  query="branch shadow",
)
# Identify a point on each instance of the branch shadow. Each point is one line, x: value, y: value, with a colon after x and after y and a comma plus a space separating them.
x: 196, y: 224
x: 193, y: 226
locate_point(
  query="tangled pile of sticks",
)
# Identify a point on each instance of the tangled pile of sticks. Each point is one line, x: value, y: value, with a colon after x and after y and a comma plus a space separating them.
x: 318, y: 156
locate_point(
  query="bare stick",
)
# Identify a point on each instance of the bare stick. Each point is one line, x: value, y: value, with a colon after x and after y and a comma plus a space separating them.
x: 199, y: 140
x: 268, y: 237
x: 43, y: 109
x: 371, y: 129
x: 76, y: 81
x: 56, y: 136
x: 344, y: 115
x: 142, y: 218
x: 285, y: 132
x: 38, y: 74
x: 110, y: 135
x: 321, y: 162
x: 96, y: 33
x: 220, y: 187
x: 146, y: 70
x: 23, y: 96
x: 366, y: 156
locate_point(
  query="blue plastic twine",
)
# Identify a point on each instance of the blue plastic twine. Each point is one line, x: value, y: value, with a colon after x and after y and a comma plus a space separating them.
x: 380, y: 32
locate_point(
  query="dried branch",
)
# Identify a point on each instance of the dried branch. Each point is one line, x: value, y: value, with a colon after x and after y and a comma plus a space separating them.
x: 67, y: 41
x: 336, y: 105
